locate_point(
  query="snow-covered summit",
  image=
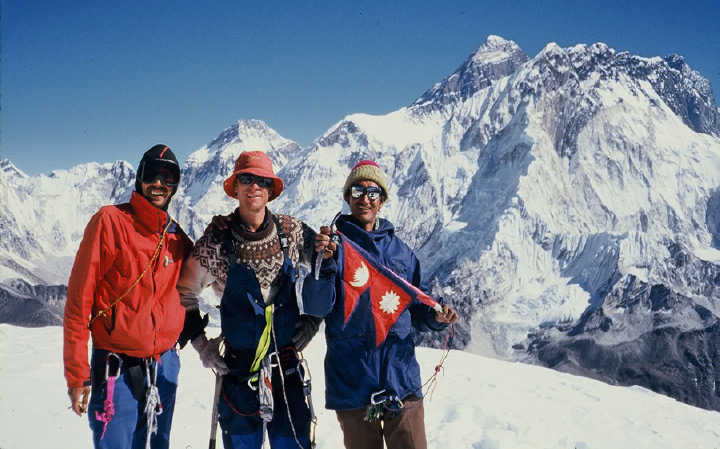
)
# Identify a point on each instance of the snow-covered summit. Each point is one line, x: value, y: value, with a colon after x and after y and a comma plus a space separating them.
x: 206, y: 169
x: 10, y: 170
x: 496, y: 58
x: 567, y: 205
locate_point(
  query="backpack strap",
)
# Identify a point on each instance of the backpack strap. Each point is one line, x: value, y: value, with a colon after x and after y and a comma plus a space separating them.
x: 282, y: 236
x: 228, y: 247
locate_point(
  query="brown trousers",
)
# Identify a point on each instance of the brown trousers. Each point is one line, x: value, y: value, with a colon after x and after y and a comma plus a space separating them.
x: 407, y: 431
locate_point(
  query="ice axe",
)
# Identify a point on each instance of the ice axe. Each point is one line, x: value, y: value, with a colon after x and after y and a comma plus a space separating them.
x: 333, y: 238
x: 214, y: 420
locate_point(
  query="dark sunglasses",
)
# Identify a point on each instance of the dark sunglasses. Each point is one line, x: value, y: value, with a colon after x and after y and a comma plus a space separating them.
x: 372, y: 193
x: 259, y: 180
x: 167, y: 172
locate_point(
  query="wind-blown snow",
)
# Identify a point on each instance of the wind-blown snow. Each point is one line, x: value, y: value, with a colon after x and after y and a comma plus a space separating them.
x: 479, y: 403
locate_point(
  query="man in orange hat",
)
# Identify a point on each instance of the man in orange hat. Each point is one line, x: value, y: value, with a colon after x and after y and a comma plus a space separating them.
x: 254, y: 266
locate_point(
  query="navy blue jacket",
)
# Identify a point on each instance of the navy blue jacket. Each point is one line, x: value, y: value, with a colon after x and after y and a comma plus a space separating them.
x: 355, y: 367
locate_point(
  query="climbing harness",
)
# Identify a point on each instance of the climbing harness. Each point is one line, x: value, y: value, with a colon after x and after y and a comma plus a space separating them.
x: 152, y: 260
x: 153, y: 407
x: 287, y: 403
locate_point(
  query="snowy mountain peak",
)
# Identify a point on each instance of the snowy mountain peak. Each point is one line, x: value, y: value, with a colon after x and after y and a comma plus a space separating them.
x: 495, y: 59
x: 495, y: 49
x: 252, y: 134
x: 206, y: 169
x: 561, y: 203
x: 9, y: 170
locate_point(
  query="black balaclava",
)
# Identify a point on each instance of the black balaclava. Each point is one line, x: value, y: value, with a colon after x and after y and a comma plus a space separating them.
x: 157, y: 153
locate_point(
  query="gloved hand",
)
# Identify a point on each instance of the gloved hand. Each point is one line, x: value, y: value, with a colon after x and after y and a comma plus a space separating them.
x: 305, y: 329
x: 209, y: 351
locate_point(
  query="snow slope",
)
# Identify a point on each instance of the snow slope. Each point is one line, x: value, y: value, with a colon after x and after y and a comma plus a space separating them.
x: 478, y: 403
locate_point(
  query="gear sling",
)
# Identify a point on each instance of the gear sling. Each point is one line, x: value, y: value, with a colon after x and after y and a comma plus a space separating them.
x: 250, y: 326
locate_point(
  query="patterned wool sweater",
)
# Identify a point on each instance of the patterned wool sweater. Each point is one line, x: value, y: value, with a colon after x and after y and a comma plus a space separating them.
x: 209, y: 262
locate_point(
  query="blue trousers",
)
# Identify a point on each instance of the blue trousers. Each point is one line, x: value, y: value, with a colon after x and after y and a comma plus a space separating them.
x: 128, y: 427
x: 242, y: 428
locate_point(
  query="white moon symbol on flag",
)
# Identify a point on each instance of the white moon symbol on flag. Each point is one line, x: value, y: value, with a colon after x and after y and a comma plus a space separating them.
x: 361, y: 276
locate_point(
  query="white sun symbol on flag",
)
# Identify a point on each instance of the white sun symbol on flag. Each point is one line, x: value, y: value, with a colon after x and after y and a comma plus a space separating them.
x: 389, y: 302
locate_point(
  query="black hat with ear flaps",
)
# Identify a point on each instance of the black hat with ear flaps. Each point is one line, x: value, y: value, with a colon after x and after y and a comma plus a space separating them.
x: 157, y: 153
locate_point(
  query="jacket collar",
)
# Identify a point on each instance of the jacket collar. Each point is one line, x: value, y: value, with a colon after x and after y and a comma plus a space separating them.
x: 367, y: 240
x: 147, y: 214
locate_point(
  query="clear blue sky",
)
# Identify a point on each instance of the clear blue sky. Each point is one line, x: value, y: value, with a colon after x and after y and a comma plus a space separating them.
x: 93, y: 80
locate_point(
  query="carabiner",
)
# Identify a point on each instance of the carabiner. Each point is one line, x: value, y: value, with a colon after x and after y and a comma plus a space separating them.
x: 382, y: 399
x: 107, y: 365
x: 304, y: 371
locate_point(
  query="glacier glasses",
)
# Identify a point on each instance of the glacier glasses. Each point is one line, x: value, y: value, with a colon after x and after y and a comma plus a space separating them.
x: 372, y: 192
x: 259, y: 180
x: 166, y: 171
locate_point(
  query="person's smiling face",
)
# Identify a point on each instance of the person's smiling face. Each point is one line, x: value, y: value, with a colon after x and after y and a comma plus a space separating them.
x: 252, y: 197
x: 157, y: 193
x: 363, y: 209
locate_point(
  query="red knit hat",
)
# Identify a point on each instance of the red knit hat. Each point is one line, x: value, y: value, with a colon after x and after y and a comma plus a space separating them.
x: 366, y: 170
x: 255, y: 163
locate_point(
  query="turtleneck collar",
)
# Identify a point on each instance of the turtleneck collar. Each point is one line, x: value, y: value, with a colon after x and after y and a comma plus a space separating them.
x: 237, y: 227
x: 147, y: 214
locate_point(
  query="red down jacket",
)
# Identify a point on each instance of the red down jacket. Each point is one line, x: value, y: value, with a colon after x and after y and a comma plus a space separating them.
x: 117, y: 246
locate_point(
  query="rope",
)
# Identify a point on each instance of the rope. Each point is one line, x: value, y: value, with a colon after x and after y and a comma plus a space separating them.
x: 439, y: 367
x: 152, y: 260
x: 394, y: 404
x: 264, y: 343
x: 108, y: 407
x: 153, y: 406
x: 109, y: 404
x: 236, y: 411
x: 282, y: 383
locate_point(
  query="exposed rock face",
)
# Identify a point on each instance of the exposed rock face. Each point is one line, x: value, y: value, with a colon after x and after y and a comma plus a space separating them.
x: 22, y: 304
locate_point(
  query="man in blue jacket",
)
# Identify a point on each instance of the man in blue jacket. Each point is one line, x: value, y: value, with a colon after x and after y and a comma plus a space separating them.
x: 371, y: 373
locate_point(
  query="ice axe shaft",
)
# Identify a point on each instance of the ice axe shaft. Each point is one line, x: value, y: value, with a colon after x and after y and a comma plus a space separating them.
x: 319, y: 260
x: 214, y: 420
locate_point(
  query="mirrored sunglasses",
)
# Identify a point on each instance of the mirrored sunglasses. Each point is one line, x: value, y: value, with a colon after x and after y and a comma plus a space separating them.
x: 372, y: 193
x: 167, y: 172
x: 259, y: 180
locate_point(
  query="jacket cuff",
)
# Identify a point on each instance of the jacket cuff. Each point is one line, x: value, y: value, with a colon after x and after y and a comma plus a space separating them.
x: 328, y: 268
x: 194, y: 326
